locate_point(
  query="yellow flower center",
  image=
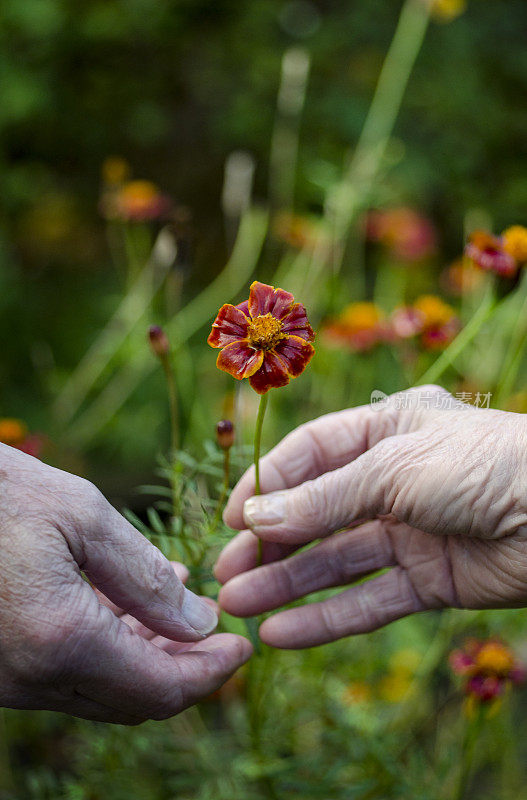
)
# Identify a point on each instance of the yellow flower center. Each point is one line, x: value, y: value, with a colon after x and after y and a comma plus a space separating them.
x: 433, y: 309
x: 264, y: 332
x: 494, y: 657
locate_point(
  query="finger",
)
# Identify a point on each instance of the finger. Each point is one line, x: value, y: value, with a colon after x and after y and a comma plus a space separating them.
x: 366, y: 488
x: 207, y: 645
x: 241, y: 554
x: 336, y: 561
x: 331, y: 441
x: 146, y: 633
x: 135, y: 575
x: 123, y: 671
x: 360, y: 609
x: 180, y: 570
x: 319, y: 446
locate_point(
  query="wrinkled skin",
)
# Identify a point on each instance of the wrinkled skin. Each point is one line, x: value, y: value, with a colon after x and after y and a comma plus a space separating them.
x: 134, y: 650
x: 435, y: 490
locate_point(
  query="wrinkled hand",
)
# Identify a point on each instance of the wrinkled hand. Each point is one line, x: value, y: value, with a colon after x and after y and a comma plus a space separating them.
x: 140, y: 654
x: 435, y: 490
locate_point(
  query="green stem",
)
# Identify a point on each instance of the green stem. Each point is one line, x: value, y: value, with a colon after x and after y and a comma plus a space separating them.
x: 172, y: 402
x: 467, y: 755
x: 514, y: 354
x: 468, y: 333
x: 382, y: 115
x: 257, y: 444
x: 225, y: 488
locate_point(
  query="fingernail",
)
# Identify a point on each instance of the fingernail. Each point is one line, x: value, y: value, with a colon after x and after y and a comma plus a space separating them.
x: 198, y: 613
x: 264, y: 510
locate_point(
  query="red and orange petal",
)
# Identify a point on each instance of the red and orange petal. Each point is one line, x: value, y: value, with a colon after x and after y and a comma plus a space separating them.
x: 273, y: 374
x: 239, y: 359
x: 265, y: 299
x: 487, y: 252
x: 230, y: 326
x: 440, y: 336
x: 461, y: 663
x: 485, y: 688
x: 296, y: 354
x: 295, y: 323
x: 244, y: 307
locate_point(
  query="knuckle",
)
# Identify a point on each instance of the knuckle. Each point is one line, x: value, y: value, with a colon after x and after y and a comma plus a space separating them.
x: 92, y: 496
x: 311, y: 501
x: 160, y: 575
x: 335, y: 618
x: 84, y: 504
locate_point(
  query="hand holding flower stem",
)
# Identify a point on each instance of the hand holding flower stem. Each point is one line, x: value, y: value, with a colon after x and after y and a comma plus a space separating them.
x: 264, y: 399
x: 266, y: 339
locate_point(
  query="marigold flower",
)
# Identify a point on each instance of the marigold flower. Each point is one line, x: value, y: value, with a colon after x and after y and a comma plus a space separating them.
x: 461, y: 277
x: 360, y: 326
x: 135, y: 201
x: 515, y: 242
x: 489, y: 254
x: 295, y: 230
x: 447, y: 10
x: 406, y: 233
x: 434, y: 310
x: 267, y: 338
x: 430, y: 318
x: 488, y: 666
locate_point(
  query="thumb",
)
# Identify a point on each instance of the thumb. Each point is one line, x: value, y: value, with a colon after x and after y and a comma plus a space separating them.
x: 365, y: 488
x: 135, y: 575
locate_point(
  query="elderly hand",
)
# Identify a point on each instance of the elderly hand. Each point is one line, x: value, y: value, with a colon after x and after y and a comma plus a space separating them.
x: 140, y: 654
x: 432, y: 489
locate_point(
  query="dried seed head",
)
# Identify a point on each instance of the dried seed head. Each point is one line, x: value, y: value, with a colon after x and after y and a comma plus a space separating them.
x: 225, y: 434
x: 158, y: 340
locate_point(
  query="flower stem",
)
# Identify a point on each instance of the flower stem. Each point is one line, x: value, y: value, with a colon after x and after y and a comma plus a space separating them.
x: 257, y: 443
x: 514, y: 353
x: 468, y: 750
x: 225, y: 488
x: 172, y: 402
x: 468, y: 333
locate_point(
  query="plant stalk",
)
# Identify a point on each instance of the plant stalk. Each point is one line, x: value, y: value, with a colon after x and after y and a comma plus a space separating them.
x: 257, y: 445
x: 464, y: 338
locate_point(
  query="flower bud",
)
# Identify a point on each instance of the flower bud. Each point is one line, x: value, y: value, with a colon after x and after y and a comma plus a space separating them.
x: 225, y: 434
x: 158, y: 340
